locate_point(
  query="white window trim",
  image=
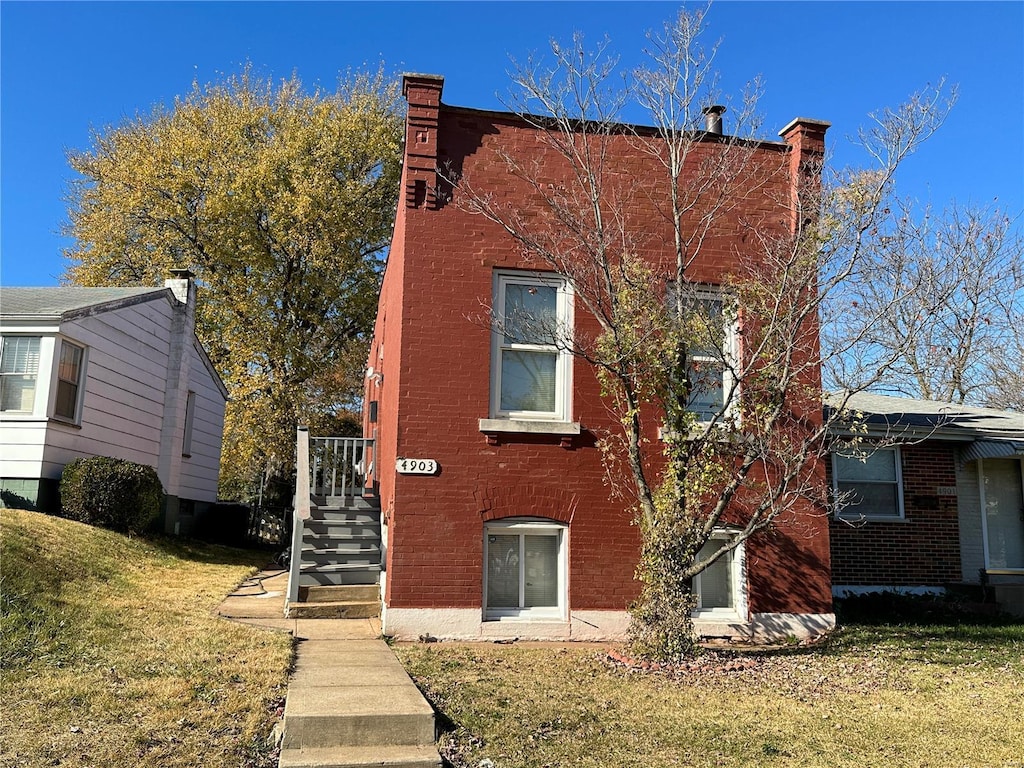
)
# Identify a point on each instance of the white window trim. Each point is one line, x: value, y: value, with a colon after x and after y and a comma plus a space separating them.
x: 730, y: 350
x: 848, y: 512
x: 563, y: 363
x: 536, y: 527
x: 45, y: 374
x: 51, y: 407
x: 738, y: 611
x: 190, y: 417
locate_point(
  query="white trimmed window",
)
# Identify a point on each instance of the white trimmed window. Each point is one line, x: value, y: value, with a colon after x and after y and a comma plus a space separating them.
x: 525, y: 570
x: 19, y: 373
x: 712, y: 353
x: 868, y: 483
x: 719, y: 587
x: 709, y: 324
x: 190, y: 417
x: 531, y: 367
x: 69, y: 381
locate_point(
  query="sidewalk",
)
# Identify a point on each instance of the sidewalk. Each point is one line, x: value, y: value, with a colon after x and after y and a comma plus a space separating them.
x: 350, y: 704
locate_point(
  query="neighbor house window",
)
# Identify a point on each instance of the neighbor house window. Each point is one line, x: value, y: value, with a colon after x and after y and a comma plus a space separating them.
x: 19, y: 371
x: 531, y: 365
x: 190, y: 415
x: 868, y: 483
x: 69, y: 381
x: 524, y: 575
x: 718, y: 588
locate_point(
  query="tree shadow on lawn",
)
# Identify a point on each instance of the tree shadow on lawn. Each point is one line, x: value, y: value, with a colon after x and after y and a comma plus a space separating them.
x: 257, y: 556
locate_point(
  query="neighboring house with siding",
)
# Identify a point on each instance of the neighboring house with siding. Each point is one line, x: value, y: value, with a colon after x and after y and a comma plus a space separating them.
x: 112, y: 372
x: 938, y: 503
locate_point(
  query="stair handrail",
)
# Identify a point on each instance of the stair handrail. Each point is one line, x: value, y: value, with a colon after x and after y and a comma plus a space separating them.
x: 301, y: 513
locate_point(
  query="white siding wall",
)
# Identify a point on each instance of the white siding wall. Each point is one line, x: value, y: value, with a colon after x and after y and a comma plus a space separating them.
x: 972, y: 553
x: 199, y: 471
x: 21, y: 448
x: 125, y: 378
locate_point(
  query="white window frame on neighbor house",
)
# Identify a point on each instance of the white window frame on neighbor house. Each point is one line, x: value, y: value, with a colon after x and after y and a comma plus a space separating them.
x: 190, y: 417
x: 61, y: 381
x: 851, y: 511
x: 735, y: 562
x: 502, y: 346
x: 48, y: 380
x: 523, y: 527
x: 22, y: 357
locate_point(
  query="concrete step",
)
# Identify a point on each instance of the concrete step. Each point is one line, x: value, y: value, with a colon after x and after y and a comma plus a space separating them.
x: 361, y: 757
x: 326, y: 716
x: 347, y: 609
x: 365, y: 593
x: 356, y: 574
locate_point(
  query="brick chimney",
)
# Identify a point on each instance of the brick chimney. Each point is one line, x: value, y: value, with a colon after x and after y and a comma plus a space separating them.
x: 806, y: 139
x: 423, y: 94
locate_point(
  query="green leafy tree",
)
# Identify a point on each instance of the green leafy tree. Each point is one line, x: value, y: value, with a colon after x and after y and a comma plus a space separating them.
x: 281, y: 201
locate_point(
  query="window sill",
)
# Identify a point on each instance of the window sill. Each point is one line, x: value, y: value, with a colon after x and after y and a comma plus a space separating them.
x: 21, y: 417
x: 528, y: 427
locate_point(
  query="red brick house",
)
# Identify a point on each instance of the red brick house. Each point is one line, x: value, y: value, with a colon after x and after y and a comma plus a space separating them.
x: 497, y: 521
x: 940, y: 505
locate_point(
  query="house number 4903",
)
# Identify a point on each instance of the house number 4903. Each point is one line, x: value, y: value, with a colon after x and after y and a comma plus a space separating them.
x: 416, y: 466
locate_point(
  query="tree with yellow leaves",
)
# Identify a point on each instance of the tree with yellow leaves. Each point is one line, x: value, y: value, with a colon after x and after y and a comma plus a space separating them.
x: 281, y: 202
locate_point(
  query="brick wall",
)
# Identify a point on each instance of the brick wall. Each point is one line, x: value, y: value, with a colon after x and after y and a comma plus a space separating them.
x: 921, y: 550
x: 433, y: 348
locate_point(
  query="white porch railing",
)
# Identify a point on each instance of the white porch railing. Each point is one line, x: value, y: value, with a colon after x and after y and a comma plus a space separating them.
x: 327, y: 467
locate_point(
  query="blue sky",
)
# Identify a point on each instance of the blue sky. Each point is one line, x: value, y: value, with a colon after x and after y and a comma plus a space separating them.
x: 67, y: 68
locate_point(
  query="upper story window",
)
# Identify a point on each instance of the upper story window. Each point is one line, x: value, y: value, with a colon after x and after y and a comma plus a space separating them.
x: 531, y: 366
x: 69, y: 381
x: 868, y: 483
x: 19, y: 373
x: 711, y: 330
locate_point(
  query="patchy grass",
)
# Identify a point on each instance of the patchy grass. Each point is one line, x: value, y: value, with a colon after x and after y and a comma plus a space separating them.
x: 942, y: 696
x: 111, y: 654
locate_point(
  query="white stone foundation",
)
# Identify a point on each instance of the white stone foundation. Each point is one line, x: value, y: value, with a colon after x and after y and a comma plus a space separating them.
x: 466, y: 624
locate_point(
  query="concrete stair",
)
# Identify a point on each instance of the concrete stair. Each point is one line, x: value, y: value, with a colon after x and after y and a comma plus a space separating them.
x: 351, y: 601
x: 351, y: 705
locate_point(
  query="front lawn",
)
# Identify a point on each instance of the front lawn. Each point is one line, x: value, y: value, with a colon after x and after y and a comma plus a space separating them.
x: 112, y: 656
x: 942, y: 696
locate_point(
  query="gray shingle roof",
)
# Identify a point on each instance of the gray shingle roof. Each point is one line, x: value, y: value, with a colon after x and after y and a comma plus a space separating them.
x: 55, y: 302
x: 950, y: 419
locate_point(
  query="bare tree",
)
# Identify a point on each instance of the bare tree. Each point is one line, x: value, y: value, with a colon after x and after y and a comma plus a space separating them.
x: 957, y: 337
x: 713, y: 377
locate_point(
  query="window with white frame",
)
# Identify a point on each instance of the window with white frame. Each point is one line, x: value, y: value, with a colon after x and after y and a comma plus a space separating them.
x: 708, y: 324
x: 531, y: 367
x: 525, y: 570
x: 868, y: 483
x: 69, y: 381
x: 718, y: 588
x: 190, y: 416
x: 19, y: 373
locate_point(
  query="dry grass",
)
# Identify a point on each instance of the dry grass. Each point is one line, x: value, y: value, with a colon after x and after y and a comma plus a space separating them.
x: 947, y: 697
x: 112, y: 656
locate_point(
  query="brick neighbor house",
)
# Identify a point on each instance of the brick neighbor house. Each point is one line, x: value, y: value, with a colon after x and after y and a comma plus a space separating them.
x: 940, y: 506
x: 496, y: 519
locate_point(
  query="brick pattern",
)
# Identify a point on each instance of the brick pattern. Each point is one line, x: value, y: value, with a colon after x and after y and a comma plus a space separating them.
x: 431, y: 345
x: 921, y: 550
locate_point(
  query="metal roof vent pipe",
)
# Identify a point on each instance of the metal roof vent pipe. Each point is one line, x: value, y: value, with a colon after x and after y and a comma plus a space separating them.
x: 713, y: 119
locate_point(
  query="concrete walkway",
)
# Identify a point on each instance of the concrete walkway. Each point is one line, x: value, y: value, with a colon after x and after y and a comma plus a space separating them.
x: 350, y: 703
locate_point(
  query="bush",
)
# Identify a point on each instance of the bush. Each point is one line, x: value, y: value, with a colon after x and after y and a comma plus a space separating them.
x: 111, y: 493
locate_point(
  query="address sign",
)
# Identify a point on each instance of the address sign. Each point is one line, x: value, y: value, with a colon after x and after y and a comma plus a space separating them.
x: 416, y: 466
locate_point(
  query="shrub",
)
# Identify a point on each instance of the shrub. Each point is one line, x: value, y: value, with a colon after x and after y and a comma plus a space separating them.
x: 111, y: 493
